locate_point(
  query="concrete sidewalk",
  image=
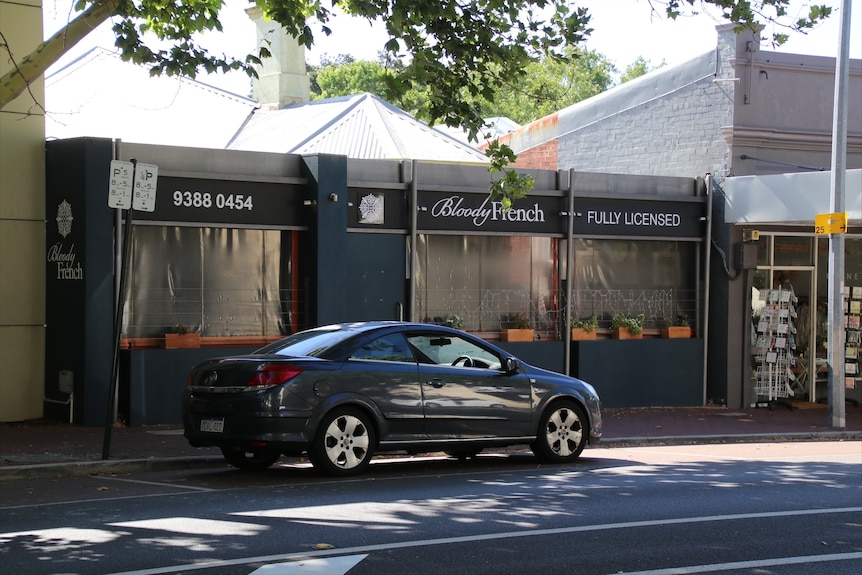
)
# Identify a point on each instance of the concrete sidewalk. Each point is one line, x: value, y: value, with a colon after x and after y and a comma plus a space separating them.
x: 48, y: 448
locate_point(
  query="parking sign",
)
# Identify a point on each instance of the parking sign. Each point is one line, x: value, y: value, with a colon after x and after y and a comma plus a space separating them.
x: 120, y: 186
x: 145, y: 187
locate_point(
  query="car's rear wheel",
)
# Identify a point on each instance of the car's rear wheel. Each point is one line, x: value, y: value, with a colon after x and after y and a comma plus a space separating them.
x: 249, y: 460
x: 344, y: 443
x: 563, y: 433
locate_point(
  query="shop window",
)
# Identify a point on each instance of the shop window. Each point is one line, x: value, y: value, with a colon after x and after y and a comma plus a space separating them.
x: 653, y: 278
x: 763, y: 250
x: 481, y: 283
x: 793, y: 251
x: 212, y: 281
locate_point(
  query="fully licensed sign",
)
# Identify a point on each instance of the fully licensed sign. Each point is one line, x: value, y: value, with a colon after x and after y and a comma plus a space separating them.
x: 197, y: 200
x: 643, y: 218
x: 593, y: 216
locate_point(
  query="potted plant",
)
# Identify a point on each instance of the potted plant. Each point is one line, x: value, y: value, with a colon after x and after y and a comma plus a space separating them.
x: 584, y: 329
x: 454, y: 321
x: 182, y: 338
x: 520, y: 330
x: 676, y: 328
x: 624, y: 327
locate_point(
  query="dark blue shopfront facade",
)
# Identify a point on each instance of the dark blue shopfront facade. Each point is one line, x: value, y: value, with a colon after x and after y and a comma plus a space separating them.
x: 346, y: 232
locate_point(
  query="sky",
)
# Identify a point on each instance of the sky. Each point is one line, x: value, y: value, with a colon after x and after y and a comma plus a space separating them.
x: 623, y: 30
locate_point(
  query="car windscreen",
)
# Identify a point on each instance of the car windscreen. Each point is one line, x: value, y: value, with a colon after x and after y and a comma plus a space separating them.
x: 312, y: 343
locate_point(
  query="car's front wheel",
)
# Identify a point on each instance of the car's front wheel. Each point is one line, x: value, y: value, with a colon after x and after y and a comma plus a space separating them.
x: 344, y: 443
x: 249, y: 460
x: 563, y: 433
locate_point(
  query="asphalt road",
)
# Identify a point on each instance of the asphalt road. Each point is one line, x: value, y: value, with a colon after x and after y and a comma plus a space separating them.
x: 788, y: 508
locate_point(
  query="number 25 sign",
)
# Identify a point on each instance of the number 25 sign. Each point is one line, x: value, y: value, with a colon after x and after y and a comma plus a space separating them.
x: 830, y: 223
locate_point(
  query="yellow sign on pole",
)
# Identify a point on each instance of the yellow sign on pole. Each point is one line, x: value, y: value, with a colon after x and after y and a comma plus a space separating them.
x: 825, y: 224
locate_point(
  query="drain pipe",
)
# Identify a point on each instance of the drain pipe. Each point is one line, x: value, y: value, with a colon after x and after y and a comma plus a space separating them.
x: 706, y: 280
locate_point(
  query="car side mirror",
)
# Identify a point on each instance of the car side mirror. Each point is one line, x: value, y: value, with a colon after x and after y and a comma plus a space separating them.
x: 511, y: 365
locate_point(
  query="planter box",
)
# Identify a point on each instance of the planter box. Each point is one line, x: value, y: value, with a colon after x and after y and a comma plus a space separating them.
x: 625, y: 333
x: 516, y: 335
x: 580, y: 334
x: 184, y: 341
x: 676, y: 332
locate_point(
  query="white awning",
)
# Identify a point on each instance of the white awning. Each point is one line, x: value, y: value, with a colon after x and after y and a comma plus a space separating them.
x: 789, y: 198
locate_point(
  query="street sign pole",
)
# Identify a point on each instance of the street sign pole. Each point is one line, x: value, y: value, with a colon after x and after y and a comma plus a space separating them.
x: 836, y: 407
x: 118, y: 325
x: 132, y: 187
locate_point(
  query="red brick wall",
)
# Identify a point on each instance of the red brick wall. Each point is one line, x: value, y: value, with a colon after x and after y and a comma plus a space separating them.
x: 542, y: 157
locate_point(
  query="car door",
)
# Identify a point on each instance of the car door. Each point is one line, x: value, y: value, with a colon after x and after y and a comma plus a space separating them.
x: 465, y: 392
x: 384, y: 370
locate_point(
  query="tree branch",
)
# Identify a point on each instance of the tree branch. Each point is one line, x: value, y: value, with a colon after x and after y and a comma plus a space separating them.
x: 34, y: 65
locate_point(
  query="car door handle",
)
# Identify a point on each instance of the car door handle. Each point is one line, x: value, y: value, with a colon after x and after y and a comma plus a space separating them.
x: 438, y: 383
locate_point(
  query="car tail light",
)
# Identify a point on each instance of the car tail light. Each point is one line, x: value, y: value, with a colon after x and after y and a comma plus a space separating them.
x: 271, y: 375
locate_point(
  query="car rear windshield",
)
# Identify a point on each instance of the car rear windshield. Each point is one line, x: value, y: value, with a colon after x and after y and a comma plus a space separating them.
x: 312, y: 343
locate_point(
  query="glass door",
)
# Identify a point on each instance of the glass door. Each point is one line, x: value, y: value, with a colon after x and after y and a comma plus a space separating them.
x: 797, y: 341
x: 788, y: 263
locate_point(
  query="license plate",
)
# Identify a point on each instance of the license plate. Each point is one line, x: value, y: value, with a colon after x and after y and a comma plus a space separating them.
x: 212, y: 425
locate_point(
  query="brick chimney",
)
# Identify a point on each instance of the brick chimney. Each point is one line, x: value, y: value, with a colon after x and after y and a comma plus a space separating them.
x: 282, y: 78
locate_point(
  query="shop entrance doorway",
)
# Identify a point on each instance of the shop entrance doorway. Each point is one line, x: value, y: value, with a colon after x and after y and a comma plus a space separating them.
x: 787, y: 263
x: 377, y: 264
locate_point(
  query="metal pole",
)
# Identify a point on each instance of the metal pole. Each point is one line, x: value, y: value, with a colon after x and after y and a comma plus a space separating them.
x: 414, y: 238
x: 836, y: 406
x: 570, y: 258
x: 118, y: 328
x: 704, y: 318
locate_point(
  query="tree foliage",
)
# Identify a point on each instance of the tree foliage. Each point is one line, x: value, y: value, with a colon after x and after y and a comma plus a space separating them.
x: 552, y: 84
x: 461, y: 53
x: 638, y: 68
x: 452, y: 47
x: 353, y: 77
x: 546, y: 86
x: 750, y: 13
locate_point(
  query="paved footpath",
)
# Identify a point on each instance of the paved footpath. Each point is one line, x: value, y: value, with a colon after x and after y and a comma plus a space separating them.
x: 50, y: 448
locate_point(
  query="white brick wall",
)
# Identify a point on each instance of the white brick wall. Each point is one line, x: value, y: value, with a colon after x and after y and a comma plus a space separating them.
x: 678, y: 133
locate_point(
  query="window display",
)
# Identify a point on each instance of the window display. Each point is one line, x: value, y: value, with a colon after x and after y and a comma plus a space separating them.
x: 488, y: 283
x: 775, y: 342
x: 210, y: 281
x: 852, y: 335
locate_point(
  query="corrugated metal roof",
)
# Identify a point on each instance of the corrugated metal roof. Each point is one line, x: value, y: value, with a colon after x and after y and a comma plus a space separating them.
x: 99, y: 95
x: 361, y: 126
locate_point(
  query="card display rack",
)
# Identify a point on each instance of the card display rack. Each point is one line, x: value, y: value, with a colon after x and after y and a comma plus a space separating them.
x: 774, y: 345
x: 852, y: 336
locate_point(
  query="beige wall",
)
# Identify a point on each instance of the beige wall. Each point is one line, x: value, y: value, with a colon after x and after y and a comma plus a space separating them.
x: 22, y: 229
x: 783, y: 112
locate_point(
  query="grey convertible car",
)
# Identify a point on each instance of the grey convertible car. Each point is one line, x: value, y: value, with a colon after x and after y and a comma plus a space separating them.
x: 342, y: 393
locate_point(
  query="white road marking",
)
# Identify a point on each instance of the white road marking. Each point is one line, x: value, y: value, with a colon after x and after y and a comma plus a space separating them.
x: 330, y: 566
x: 763, y: 563
x: 487, y: 537
x: 155, y: 483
